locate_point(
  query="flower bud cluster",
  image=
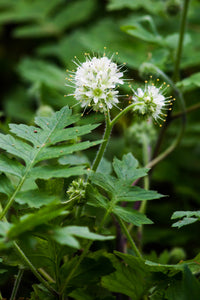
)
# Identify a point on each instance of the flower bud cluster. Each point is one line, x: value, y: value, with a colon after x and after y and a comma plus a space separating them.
x: 76, y: 190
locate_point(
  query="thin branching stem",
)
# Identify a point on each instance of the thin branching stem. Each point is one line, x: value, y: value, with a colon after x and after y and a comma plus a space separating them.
x: 16, y: 284
x: 176, y: 75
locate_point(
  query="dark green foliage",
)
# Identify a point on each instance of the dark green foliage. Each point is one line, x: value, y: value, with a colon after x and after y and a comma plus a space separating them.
x: 40, y: 159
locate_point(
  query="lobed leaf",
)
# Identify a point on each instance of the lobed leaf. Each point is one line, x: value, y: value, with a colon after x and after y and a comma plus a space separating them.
x: 126, y: 169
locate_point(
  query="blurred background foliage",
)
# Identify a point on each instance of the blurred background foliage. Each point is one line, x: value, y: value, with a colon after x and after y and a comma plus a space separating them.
x: 39, y: 40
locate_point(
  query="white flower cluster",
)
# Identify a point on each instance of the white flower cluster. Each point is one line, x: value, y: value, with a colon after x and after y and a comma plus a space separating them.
x: 150, y: 102
x: 95, y: 83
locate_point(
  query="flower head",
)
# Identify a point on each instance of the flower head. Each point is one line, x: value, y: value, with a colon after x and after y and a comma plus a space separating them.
x: 95, y: 83
x: 151, y: 102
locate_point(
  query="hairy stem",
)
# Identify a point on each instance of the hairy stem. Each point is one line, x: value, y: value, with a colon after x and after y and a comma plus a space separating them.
x: 16, y: 284
x: 176, y: 75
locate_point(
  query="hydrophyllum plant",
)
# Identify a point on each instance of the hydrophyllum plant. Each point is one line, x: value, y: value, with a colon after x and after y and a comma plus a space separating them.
x: 46, y: 212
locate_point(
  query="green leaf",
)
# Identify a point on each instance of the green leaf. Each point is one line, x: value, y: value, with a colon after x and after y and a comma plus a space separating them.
x: 190, y: 82
x: 30, y: 221
x: 47, y: 172
x: 74, y: 160
x: 34, y: 198
x: 138, y: 30
x: 189, y: 217
x: 41, y: 143
x: 6, y: 186
x: 57, y: 151
x: 184, y: 222
x: 11, y: 166
x: 132, y: 280
x: 65, y: 235
x: 105, y: 181
x: 187, y: 288
x: 127, y: 168
x: 131, y: 215
x: 16, y: 147
x: 122, y: 189
x: 40, y: 72
x: 134, y: 193
x: 95, y: 198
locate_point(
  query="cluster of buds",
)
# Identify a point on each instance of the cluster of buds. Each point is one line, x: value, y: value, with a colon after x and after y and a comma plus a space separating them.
x: 96, y: 81
x: 76, y: 190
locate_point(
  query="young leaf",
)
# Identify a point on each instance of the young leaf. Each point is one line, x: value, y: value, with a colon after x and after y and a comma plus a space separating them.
x: 127, y: 168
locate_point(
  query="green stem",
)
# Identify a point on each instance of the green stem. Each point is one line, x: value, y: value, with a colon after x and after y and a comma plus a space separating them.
x: 33, y: 269
x: 16, y: 284
x: 104, y: 144
x: 109, y: 126
x: 180, y: 42
x: 12, y: 198
x: 146, y: 159
x: 129, y: 238
x: 123, y: 112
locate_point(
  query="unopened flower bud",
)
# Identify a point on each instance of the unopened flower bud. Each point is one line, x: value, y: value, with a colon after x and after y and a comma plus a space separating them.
x: 76, y: 190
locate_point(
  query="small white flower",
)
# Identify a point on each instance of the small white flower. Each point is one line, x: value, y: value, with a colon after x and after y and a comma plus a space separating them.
x: 95, y: 83
x: 151, y: 102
